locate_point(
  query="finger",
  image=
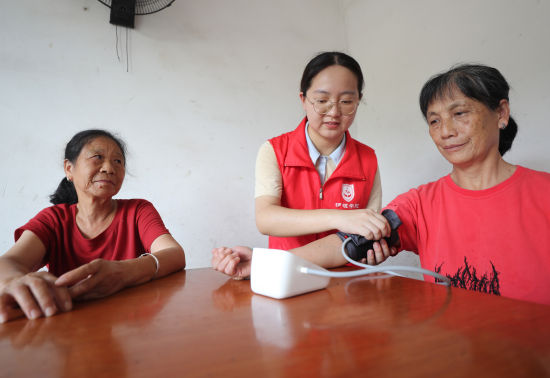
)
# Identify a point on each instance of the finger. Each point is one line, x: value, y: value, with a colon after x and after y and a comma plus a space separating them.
x: 393, y: 251
x: 9, y: 309
x: 74, y: 276
x: 26, y: 302
x: 231, y: 268
x: 378, y: 253
x: 220, y: 261
x: 218, y: 255
x: 85, y: 286
x: 385, y: 248
x: 42, y: 291
x: 370, y: 257
x: 218, y: 250
x: 378, y: 228
x: 62, y: 298
x: 244, y: 253
x: 229, y: 264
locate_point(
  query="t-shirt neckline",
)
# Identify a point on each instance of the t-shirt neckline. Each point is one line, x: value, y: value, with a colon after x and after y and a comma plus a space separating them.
x: 105, y: 232
x: 489, y: 191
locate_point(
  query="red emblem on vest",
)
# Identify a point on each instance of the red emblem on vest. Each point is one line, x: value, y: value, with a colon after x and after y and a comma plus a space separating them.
x: 348, y: 192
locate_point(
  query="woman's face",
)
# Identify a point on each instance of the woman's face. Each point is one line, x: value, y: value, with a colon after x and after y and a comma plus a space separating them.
x: 99, y: 169
x: 464, y: 130
x: 335, y: 84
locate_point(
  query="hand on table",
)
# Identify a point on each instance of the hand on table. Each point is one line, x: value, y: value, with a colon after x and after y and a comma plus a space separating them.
x: 32, y: 295
x: 96, y: 279
x: 234, y: 261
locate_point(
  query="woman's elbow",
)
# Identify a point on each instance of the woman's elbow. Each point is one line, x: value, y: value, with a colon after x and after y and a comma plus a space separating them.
x: 262, y: 226
x: 181, y: 261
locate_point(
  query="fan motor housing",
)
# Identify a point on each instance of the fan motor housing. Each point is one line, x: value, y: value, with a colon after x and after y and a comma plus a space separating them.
x: 123, y: 13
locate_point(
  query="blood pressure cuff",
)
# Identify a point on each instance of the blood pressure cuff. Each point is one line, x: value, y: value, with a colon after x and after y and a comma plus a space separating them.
x: 358, y: 246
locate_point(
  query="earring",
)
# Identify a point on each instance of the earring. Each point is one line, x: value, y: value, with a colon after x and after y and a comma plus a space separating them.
x: 503, y: 126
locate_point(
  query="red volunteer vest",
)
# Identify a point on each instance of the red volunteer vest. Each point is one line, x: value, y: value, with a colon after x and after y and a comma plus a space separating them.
x: 347, y: 188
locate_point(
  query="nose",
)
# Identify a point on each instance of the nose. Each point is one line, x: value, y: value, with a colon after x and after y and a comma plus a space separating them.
x: 334, y: 109
x: 448, y: 128
x: 107, y: 167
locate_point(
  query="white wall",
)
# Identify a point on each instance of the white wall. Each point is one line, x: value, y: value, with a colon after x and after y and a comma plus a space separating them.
x: 209, y: 81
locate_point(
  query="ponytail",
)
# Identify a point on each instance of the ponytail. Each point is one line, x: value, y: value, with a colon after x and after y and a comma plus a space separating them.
x: 507, y: 136
x: 65, y: 193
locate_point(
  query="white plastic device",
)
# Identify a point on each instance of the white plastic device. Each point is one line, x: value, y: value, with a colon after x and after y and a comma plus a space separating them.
x: 279, y: 274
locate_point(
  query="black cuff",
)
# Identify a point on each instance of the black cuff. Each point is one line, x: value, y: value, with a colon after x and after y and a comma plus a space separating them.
x: 358, y: 246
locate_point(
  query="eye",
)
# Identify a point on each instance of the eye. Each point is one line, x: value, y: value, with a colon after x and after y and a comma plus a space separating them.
x: 119, y: 161
x: 346, y: 102
x: 321, y: 101
x: 433, y: 122
x: 97, y: 157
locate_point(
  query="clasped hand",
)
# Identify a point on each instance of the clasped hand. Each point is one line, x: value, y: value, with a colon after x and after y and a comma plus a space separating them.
x: 365, y: 222
x: 39, y: 294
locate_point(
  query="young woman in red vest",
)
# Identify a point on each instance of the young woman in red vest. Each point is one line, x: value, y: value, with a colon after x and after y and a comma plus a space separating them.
x: 316, y: 179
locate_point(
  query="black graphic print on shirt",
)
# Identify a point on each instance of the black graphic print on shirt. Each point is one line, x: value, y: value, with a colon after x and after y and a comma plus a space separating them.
x: 467, y: 277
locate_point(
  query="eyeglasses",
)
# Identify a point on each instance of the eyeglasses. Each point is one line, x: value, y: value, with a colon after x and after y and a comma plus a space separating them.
x: 323, y: 107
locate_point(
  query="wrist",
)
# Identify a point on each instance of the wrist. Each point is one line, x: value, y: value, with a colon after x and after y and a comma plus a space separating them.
x: 155, y: 261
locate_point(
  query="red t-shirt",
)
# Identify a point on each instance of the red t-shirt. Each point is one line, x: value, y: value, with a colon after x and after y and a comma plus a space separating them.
x: 134, y: 228
x: 495, y: 240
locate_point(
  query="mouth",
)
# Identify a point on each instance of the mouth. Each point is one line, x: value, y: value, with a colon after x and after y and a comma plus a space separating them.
x: 103, y: 182
x: 453, y: 147
x: 331, y: 124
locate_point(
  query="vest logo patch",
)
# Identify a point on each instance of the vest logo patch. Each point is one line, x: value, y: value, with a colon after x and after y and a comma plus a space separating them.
x: 348, y: 192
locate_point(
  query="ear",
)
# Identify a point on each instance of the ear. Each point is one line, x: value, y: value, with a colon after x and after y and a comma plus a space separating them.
x: 503, y: 112
x: 303, y: 99
x: 68, y: 167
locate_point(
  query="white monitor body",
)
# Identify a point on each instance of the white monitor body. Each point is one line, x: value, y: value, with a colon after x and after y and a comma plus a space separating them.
x: 276, y: 274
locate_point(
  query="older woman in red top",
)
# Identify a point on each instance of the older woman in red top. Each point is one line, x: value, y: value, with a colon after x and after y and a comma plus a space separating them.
x: 90, y: 242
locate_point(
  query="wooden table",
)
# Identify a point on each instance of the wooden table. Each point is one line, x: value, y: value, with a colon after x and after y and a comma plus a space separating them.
x: 199, y: 323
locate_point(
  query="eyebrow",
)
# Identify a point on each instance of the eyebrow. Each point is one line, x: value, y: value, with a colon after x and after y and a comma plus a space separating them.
x: 456, y: 104
x: 102, y: 151
x: 453, y: 106
x: 341, y: 93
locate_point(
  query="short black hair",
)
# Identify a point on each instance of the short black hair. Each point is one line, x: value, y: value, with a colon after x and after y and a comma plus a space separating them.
x: 479, y: 82
x: 327, y: 59
x: 65, y: 192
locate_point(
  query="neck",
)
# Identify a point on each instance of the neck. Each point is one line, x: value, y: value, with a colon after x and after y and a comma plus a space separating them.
x: 93, y: 211
x: 484, y: 175
x: 323, y: 145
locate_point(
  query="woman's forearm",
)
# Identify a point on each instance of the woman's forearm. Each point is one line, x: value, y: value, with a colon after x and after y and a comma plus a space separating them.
x: 276, y: 220
x: 143, y: 269
x: 325, y: 252
x: 9, y: 268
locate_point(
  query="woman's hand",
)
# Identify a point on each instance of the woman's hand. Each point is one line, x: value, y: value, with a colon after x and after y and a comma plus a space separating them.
x: 364, y: 222
x: 380, y: 252
x: 234, y: 261
x: 95, y: 279
x: 33, y: 295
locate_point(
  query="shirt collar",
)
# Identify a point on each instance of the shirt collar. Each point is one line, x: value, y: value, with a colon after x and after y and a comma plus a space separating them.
x: 314, y: 154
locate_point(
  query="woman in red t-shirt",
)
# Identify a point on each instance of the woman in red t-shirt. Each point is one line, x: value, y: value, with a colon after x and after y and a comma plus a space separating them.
x: 90, y: 242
